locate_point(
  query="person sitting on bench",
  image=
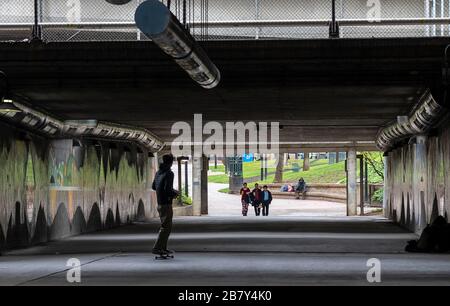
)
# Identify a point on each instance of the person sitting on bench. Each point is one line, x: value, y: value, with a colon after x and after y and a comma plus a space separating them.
x: 300, y: 188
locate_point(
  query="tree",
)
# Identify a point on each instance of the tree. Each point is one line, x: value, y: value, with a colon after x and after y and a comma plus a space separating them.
x: 375, y: 161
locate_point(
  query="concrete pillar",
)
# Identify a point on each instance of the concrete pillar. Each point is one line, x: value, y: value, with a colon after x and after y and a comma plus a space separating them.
x: 186, y: 178
x: 204, y: 185
x: 197, y: 165
x: 266, y: 167
x: 337, y: 157
x: 306, y: 163
x: 179, y: 180
x: 386, y: 189
x: 262, y: 167
x: 361, y: 185
x: 200, y: 185
x: 420, y: 182
x: 279, y: 169
x: 352, y: 192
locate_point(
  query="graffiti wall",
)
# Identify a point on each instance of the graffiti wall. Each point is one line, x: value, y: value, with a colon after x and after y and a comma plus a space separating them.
x: 51, y: 189
x: 418, y: 181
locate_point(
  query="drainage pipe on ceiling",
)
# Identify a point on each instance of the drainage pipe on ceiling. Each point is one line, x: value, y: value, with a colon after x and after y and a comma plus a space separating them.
x: 421, y: 120
x: 54, y: 128
x: 158, y: 23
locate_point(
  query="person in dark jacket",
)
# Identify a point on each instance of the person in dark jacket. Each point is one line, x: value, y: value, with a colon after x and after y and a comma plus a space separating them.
x: 256, y: 199
x: 300, y: 188
x: 163, y: 185
x: 266, y: 201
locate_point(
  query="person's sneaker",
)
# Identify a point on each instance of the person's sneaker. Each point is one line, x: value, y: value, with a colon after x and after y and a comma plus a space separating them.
x: 169, y: 252
x: 158, y: 252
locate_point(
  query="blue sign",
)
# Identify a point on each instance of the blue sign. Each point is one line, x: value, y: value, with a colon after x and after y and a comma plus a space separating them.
x: 248, y: 158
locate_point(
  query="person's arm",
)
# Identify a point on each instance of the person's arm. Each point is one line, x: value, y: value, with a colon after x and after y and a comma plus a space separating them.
x: 270, y: 197
x: 169, y: 185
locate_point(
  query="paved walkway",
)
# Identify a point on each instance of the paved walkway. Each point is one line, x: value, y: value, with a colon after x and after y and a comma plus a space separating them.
x: 232, y: 251
x: 222, y: 204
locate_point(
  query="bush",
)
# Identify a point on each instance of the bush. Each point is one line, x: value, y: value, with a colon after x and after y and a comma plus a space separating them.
x: 378, y: 196
x: 185, y: 199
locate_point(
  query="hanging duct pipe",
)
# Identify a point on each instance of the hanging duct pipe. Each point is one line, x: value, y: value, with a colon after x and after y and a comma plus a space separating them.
x: 51, y: 127
x: 158, y: 23
x: 419, y: 121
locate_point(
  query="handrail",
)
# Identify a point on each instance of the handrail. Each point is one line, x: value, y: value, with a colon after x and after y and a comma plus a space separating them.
x: 242, y: 23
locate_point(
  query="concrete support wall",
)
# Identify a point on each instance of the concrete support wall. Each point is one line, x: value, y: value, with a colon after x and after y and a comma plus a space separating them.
x: 352, y: 188
x: 418, y: 181
x: 54, y: 189
x: 199, y: 185
x: 204, y: 185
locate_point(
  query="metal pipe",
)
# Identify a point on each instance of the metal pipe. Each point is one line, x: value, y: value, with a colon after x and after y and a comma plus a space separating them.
x: 52, y: 127
x: 433, y: 14
x: 237, y: 23
x: 156, y: 21
x: 419, y: 121
x: 427, y: 16
x: 333, y: 11
x: 257, y: 18
x: 442, y: 15
x: 36, y: 32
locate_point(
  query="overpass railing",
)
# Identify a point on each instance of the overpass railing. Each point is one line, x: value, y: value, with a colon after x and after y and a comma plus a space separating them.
x: 97, y: 20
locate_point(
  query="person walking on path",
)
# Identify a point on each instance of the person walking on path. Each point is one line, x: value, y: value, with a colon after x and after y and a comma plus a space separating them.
x: 266, y: 201
x: 257, y: 199
x: 245, y: 199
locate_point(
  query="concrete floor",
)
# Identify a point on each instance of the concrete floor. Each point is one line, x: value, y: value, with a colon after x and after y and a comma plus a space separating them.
x: 233, y: 251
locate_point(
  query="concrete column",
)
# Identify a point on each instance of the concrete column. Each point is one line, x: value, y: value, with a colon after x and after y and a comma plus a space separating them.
x: 306, y: 163
x: 420, y: 182
x: 179, y: 180
x: 204, y: 185
x: 352, y: 191
x: 337, y: 157
x: 197, y: 165
x: 361, y: 185
x: 186, y: 178
x: 386, y: 189
x: 262, y: 167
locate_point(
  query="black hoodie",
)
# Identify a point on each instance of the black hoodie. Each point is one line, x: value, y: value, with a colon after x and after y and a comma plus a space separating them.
x: 163, y: 185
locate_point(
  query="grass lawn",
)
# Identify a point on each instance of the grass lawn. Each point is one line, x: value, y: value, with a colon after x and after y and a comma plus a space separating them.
x: 253, y: 169
x: 320, y: 173
x: 250, y: 170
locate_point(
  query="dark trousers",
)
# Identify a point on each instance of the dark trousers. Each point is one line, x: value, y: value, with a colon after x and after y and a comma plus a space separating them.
x: 166, y: 216
x: 301, y: 193
x: 265, y: 210
x: 257, y: 210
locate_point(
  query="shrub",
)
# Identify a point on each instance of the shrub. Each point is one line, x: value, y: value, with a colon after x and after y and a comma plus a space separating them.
x: 378, y: 196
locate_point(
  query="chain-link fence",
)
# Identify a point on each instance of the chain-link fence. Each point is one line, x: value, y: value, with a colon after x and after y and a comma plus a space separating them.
x: 97, y: 20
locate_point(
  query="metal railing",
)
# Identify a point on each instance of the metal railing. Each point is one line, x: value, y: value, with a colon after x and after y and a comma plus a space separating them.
x: 96, y: 20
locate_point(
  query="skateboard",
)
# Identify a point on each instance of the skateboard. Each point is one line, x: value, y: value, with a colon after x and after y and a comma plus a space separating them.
x: 165, y: 256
